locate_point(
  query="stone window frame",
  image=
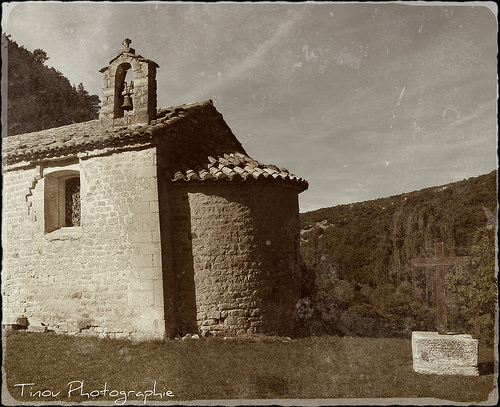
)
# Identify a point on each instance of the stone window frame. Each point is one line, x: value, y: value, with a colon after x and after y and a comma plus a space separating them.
x: 54, y: 197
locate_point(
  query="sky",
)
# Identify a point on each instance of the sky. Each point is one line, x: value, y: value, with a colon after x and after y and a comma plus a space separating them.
x: 364, y: 100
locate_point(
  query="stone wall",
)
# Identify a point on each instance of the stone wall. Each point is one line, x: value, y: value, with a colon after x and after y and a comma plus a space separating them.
x: 151, y: 257
x: 239, y: 244
x: 103, y: 278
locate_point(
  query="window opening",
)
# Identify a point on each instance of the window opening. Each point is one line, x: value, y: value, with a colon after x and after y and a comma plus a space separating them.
x: 62, y: 200
x: 72, y: 197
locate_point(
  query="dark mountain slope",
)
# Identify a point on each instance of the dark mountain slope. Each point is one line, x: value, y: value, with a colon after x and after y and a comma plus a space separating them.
x: 39, y: 97
x: 358, y: 256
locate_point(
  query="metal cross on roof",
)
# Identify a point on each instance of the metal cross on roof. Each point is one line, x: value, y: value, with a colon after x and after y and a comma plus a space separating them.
x: 441, y: 263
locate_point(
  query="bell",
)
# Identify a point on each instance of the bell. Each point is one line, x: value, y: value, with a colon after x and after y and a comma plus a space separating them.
x: 127, y: 103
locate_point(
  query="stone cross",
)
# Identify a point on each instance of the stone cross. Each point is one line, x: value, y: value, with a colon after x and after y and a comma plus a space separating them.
x: 126, y: 44
x: 126, y: 47
x: 441, y: 263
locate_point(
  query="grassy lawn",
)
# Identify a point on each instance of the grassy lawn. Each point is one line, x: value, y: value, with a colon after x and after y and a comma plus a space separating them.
x: 214, y: 368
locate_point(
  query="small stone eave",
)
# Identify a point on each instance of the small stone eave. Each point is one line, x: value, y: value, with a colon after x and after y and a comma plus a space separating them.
x: 287, y: 184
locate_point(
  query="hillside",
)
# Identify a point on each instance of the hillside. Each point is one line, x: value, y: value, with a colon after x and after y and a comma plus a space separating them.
x: 358, y: 260
x: 39, y: 97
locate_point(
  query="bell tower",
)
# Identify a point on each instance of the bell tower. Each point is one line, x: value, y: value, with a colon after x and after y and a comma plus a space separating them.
x: 128, y: 100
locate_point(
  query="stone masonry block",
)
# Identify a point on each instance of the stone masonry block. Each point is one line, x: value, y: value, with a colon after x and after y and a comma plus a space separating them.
x: 146, y: 222
x: 142, y: 260
x: 155, y: 236
x: 149, y: 248
x: 139, y: 207
x: 140, y: 298
x: 146, y: 172
x: 36, y: 326
x: 149, y: 195
x: 141, y: 285
x: 157, y: 260
x: 451, y: 354
x: 154, y: 206
x: 139, y: 237
x: 159, y: 327
x: 158, y: 292
x: 148, y: 273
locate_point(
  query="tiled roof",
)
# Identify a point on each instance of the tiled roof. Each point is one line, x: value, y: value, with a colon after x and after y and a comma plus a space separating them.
x: 236, y: 166
x: 193, y: 152
x: 83, y: 136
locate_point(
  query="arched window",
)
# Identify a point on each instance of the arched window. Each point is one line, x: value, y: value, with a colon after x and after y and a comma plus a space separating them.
x: 62, y: 200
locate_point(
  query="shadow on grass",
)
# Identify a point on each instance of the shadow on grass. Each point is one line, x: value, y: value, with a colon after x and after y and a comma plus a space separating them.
x: 486, y: 368
x: 270, y: 386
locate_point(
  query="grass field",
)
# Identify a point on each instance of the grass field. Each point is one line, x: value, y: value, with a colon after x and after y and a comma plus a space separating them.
x: 214, y: 368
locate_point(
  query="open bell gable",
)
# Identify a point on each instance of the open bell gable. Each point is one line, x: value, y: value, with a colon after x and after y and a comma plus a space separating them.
x: 132, y: 102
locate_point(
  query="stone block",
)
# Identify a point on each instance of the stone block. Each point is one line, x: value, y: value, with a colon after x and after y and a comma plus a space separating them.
x: 148, y: 273
x: 141, y: 260
x: 140, y: 298
x: 158, y: 293
x: 450, y: 354
x: 149, y: 195
x: 36, y: 326
x: 141, y: 285
x: 155, y: 236
x: 139, y: 237
x: 146, y: 222
x: 157, y: 260
x: 146, y: 172
x: 139, y: 207
x: 149, y: 249
x: 154, y: 207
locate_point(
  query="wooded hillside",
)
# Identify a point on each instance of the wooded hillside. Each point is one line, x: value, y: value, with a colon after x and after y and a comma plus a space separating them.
x: 358, y: 261
x: 39, y: 97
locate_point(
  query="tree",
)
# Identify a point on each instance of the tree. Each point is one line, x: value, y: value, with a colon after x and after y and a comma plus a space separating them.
x: 473, y: 290
x: 40, y: 55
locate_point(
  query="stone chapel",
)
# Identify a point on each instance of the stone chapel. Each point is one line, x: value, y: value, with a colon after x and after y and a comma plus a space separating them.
x: 147, y: 223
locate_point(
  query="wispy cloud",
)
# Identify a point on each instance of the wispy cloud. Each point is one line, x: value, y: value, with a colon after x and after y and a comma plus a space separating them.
x: 363, y: 100
x: 254, y: 59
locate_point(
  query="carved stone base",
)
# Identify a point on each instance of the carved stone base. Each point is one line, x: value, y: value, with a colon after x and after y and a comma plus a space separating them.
x: 450, y: 354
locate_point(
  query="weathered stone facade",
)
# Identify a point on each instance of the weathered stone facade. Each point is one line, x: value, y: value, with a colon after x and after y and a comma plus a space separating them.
x: 241, y: 247
x: 104, y: 276
x: 178, y: 230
